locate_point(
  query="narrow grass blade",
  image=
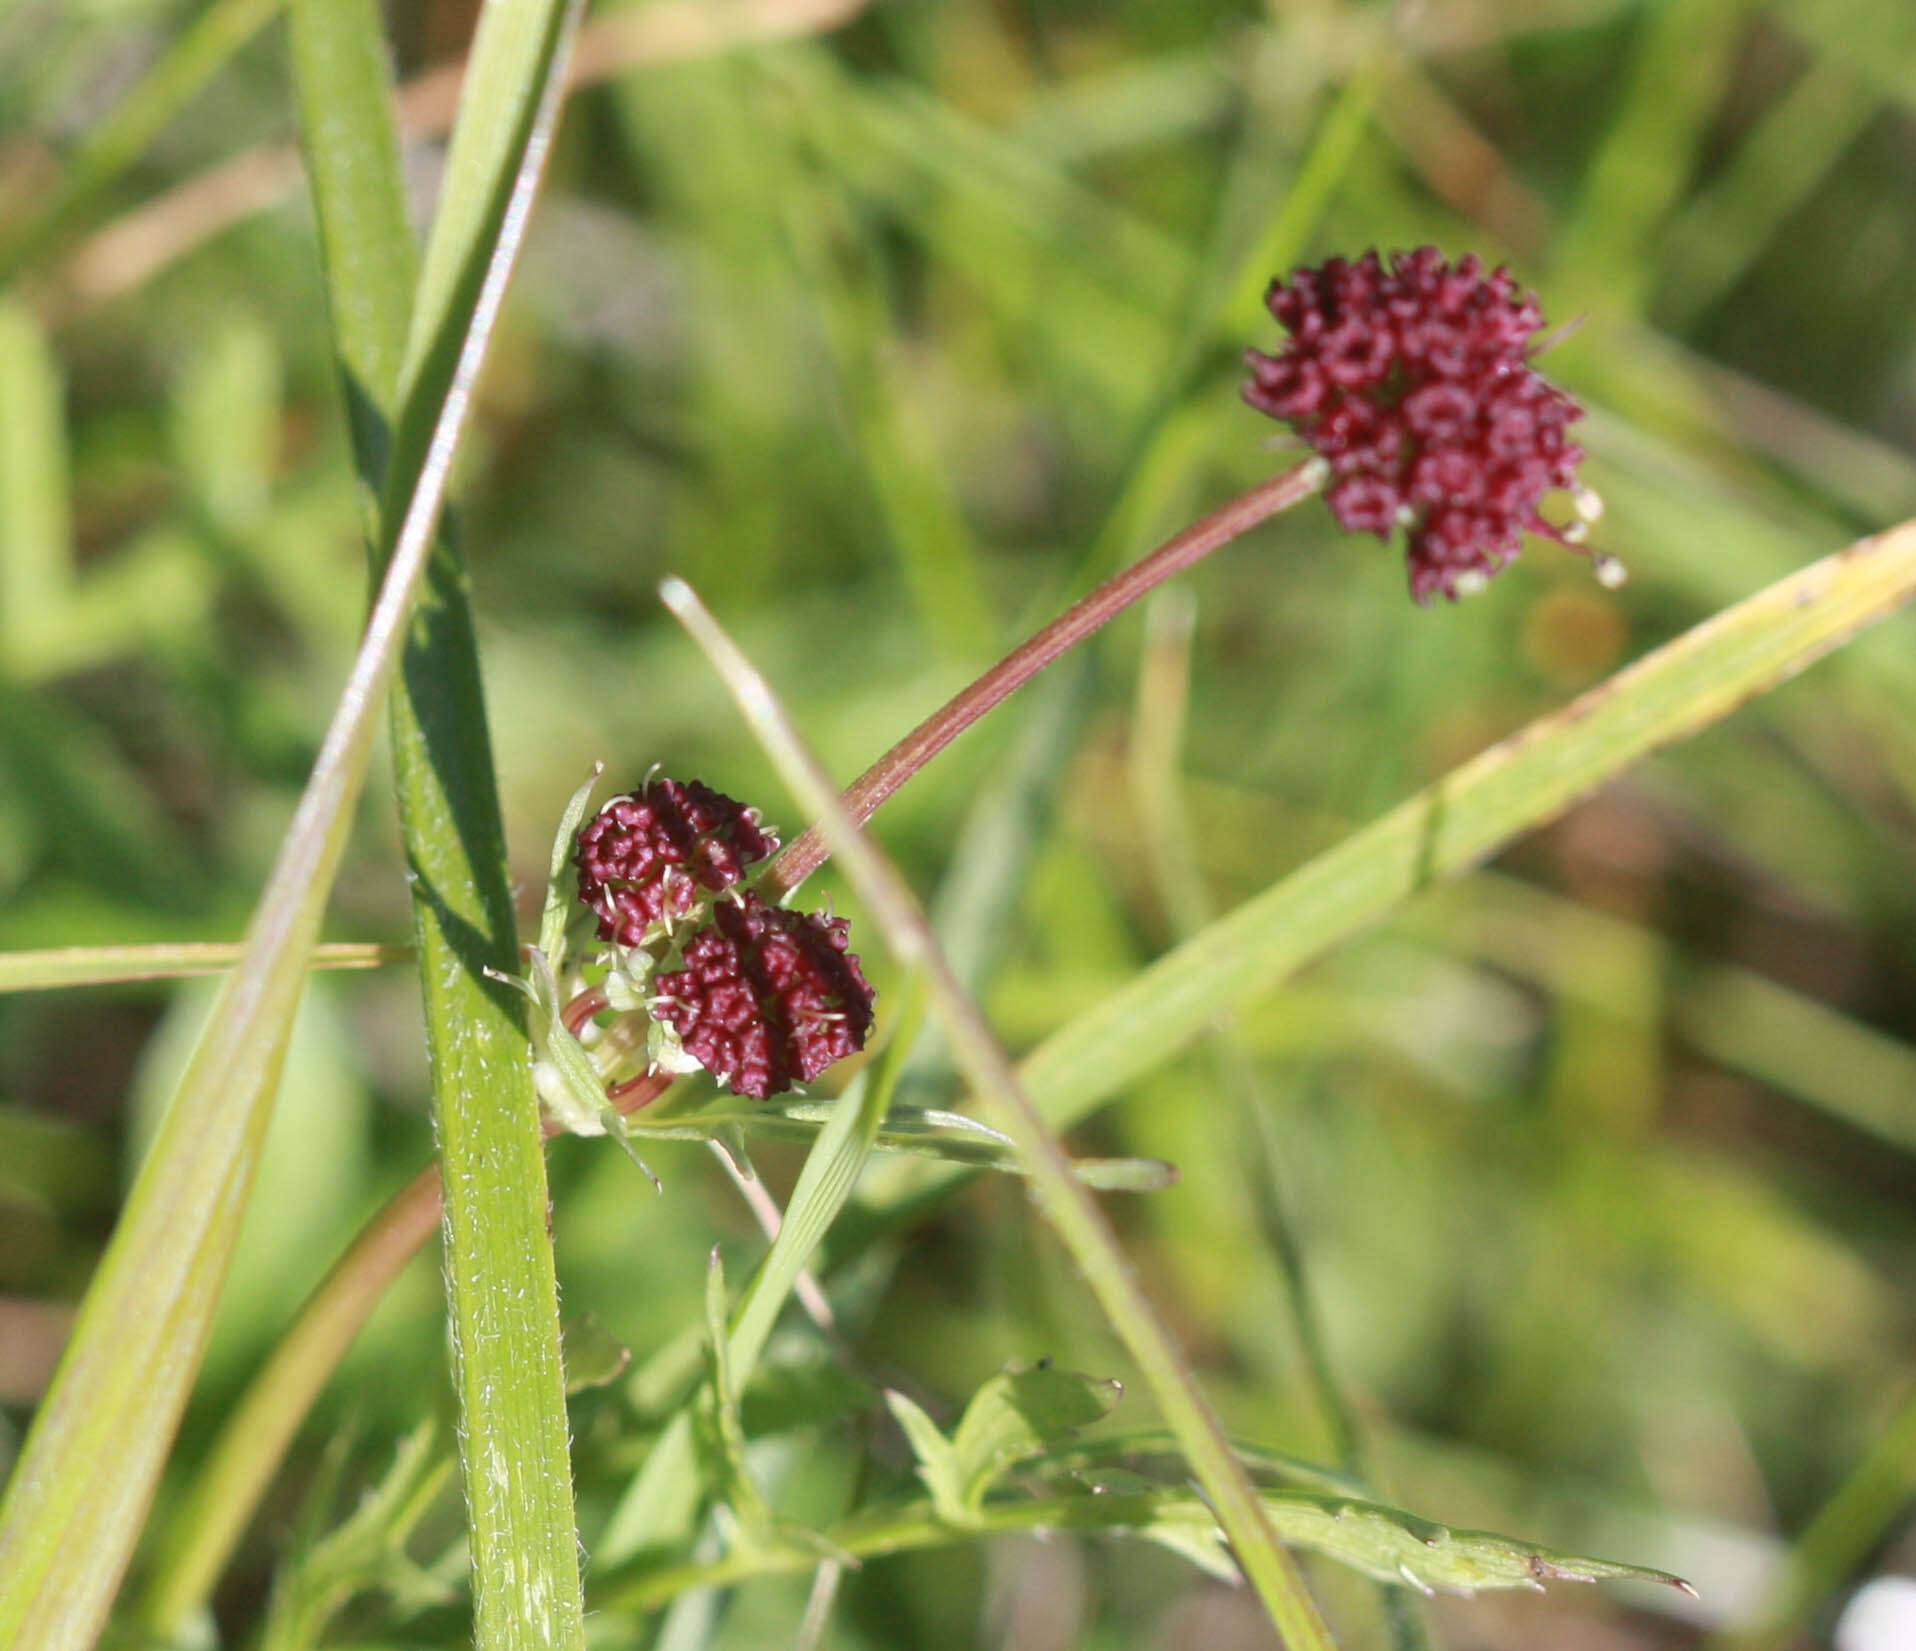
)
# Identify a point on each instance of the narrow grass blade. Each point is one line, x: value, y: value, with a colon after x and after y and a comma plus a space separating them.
x: 1779, y: 164
x: 36, y: 527
x: 1864, y: 1510
x: 108, y: 965
x: 937, y: 552
x: 501, y: 1289
x: 830, y: 1172
x: 1686, y: 57
x: 1064, y: 1201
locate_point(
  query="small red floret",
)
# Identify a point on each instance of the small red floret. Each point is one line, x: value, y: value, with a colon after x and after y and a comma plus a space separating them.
x: 655, y: 853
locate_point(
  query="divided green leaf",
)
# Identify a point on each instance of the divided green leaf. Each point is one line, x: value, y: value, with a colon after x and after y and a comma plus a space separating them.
x: 1018, y: 1414
x: 937, y: 1460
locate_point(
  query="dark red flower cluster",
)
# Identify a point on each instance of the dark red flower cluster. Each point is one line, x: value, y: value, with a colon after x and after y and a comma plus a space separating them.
x: 657, y: 852
x: 1413, y: 381
x: 768, y: 998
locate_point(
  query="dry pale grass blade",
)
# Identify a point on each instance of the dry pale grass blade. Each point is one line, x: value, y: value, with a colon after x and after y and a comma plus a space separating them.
x: 43, y: 971
x: 126, y: 254
x: 1066, y: 1204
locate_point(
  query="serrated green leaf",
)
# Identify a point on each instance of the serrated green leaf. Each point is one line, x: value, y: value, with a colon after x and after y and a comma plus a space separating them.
x: 1111, y: 1457
x: 1388, y: 1543
x: 1383, y: 1542
x: 1017, y: 1414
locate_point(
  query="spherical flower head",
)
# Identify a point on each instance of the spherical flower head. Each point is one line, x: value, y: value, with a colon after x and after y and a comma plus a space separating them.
x: 656, y: 853
x: 1413, y: 382
x: 768, y: 998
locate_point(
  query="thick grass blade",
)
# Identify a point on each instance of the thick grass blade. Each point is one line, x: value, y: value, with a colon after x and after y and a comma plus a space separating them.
x: 501, y: 1290
x: 344, y: 88
x: 1066, y: 1204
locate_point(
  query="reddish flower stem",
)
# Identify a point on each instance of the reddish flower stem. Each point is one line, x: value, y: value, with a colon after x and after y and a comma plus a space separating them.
x: 582, y: 1008
x: 643, y: 1090
x: 807, y: 852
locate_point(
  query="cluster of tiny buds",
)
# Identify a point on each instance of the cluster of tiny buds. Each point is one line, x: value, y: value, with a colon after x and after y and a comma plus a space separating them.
x: 765, y: 998
x: 768, y: 998
x: 655, y: 854
x: 1412, y: 382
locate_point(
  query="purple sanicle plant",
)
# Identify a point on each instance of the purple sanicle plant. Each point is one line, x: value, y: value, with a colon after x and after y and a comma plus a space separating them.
x: 763, y: 998
x: 1410, y: 379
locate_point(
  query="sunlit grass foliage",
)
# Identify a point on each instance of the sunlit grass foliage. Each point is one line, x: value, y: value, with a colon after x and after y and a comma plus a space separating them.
x: 1539, y: 1082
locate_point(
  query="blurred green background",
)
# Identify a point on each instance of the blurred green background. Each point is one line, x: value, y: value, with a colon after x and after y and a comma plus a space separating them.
x: 888, y: 326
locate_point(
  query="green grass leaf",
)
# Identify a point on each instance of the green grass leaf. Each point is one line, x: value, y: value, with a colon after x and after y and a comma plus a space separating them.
x: 501, y: 1289
x: 1513, y: 787
x: 79, y: 1493
x: 104, y: 965
x: 36, y: 528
